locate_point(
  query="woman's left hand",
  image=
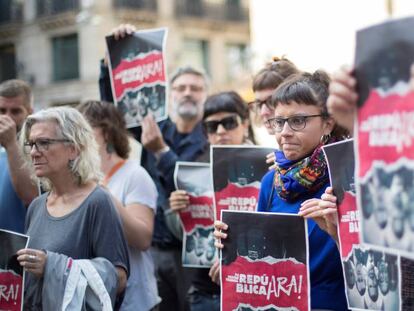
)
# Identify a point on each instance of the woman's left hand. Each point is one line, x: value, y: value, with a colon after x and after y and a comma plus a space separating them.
x: 323, y: 211
x: 32, y: 260
x: 214, y: 272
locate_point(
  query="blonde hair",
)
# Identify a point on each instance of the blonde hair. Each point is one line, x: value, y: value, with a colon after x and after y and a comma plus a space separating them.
x: 71, y: 125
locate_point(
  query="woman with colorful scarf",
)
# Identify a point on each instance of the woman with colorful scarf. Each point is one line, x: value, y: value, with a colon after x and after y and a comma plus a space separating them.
x: 302, y: 126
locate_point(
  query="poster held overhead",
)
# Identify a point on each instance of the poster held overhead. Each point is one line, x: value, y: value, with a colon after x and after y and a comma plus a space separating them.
x: 137, y: 66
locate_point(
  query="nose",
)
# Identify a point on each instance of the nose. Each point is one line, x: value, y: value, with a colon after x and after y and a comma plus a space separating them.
x: 286, y: 130
x: 265, y: 112
x: 220, y: 129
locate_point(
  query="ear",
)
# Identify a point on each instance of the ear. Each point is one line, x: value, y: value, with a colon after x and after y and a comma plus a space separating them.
x: 74, y: 152
x: 329, y: 125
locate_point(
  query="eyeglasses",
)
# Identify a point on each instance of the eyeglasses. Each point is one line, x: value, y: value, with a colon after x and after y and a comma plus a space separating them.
x: 41, y: 144
x: 296, y: 123
x: 257, y: 105
x: 193, y: 88
x: 229, y: 123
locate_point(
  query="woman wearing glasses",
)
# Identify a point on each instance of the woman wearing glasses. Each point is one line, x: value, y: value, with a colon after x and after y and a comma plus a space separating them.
x: 302, y: 126
x: 75, y: 218
x: 226, y: 122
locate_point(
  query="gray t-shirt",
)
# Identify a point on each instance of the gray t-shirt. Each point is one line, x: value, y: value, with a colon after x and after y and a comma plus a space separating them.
x: 92, y: 230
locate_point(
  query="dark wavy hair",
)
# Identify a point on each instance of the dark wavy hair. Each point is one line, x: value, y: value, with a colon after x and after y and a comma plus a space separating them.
x: 228, y: 102
x: 107, y: 117
x: 308, y: 89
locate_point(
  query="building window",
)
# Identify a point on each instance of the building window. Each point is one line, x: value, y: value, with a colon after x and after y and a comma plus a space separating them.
x: 196, y: 53
x: 238, y: 60
x: 65, y: 57
x: 7, y: 62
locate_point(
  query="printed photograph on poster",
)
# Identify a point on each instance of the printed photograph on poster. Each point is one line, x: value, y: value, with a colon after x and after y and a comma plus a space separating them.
x: 264, y: 262
x: 11, y: 272
x: 372, y: 280
x: 387, y: 193
x: 407, y: 283
x: 137, y: 67
x: 237, y: 173
x: 197, y: 219
x: 341, y: 164
x: 385, y: 153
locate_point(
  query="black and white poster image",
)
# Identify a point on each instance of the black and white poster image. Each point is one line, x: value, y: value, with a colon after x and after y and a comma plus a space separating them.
x: 11, y: 272
x: 137, y: 66
x: 387, y: 196
x: 372, y: 280
x: 197, y: 219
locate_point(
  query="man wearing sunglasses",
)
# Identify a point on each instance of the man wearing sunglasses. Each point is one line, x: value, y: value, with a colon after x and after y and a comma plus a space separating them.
x: 178, y: 138
x: 16, y: 188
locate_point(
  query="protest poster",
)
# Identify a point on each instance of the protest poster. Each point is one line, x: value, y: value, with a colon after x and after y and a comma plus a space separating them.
x: 11, y: 272
x: 237, y: 173
x: 341, y: 164
x: 371, y: 276
x: 137, y: 67
x: 372, y: 279
x: 264, y: 262
x: 384, y: 135
x: 198, y: 218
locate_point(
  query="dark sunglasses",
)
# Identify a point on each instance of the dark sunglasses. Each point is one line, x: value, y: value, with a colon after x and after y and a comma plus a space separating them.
x: 229, y: 123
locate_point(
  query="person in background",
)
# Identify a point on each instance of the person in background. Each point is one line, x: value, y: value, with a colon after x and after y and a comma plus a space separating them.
x: 135, y: 197
x: 226, y: 122
x: 302, y: 126
x: 164, y: 144
x: 75, y: 217
x: 265, y: 83
x: 17, y: 189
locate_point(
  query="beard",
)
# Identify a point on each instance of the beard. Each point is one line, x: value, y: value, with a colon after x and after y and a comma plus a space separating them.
x: 187, y: 108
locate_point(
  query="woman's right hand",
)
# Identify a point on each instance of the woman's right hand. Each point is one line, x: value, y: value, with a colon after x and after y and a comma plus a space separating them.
x: 179, y: 200
x: 219, y: 233
x: 342, y: 100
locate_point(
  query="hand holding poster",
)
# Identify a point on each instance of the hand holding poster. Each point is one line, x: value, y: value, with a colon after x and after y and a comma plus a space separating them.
x: 264, y: 262
x: 137, y: 69
x: 198, y: 218
x: 237, y: 172
x: 385, y: 139
x: 11, y: 272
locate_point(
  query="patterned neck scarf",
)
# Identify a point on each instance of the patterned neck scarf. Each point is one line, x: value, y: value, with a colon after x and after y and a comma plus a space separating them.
x: 295, y: 178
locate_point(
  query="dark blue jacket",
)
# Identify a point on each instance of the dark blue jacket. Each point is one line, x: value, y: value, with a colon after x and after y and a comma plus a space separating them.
x: 162, y: 172
x: 327, y: 283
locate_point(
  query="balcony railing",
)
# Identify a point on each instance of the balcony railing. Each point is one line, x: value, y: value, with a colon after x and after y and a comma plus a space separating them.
x: 11, y: 12
x: 52, y: 7
x: 226, y: 10
x: 150, y: 5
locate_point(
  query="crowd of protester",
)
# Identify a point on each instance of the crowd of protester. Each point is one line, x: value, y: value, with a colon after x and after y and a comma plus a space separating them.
x: 67, y: 180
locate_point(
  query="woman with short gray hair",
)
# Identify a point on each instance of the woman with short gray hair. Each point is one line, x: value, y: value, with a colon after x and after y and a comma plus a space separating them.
x: 75, y: 217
